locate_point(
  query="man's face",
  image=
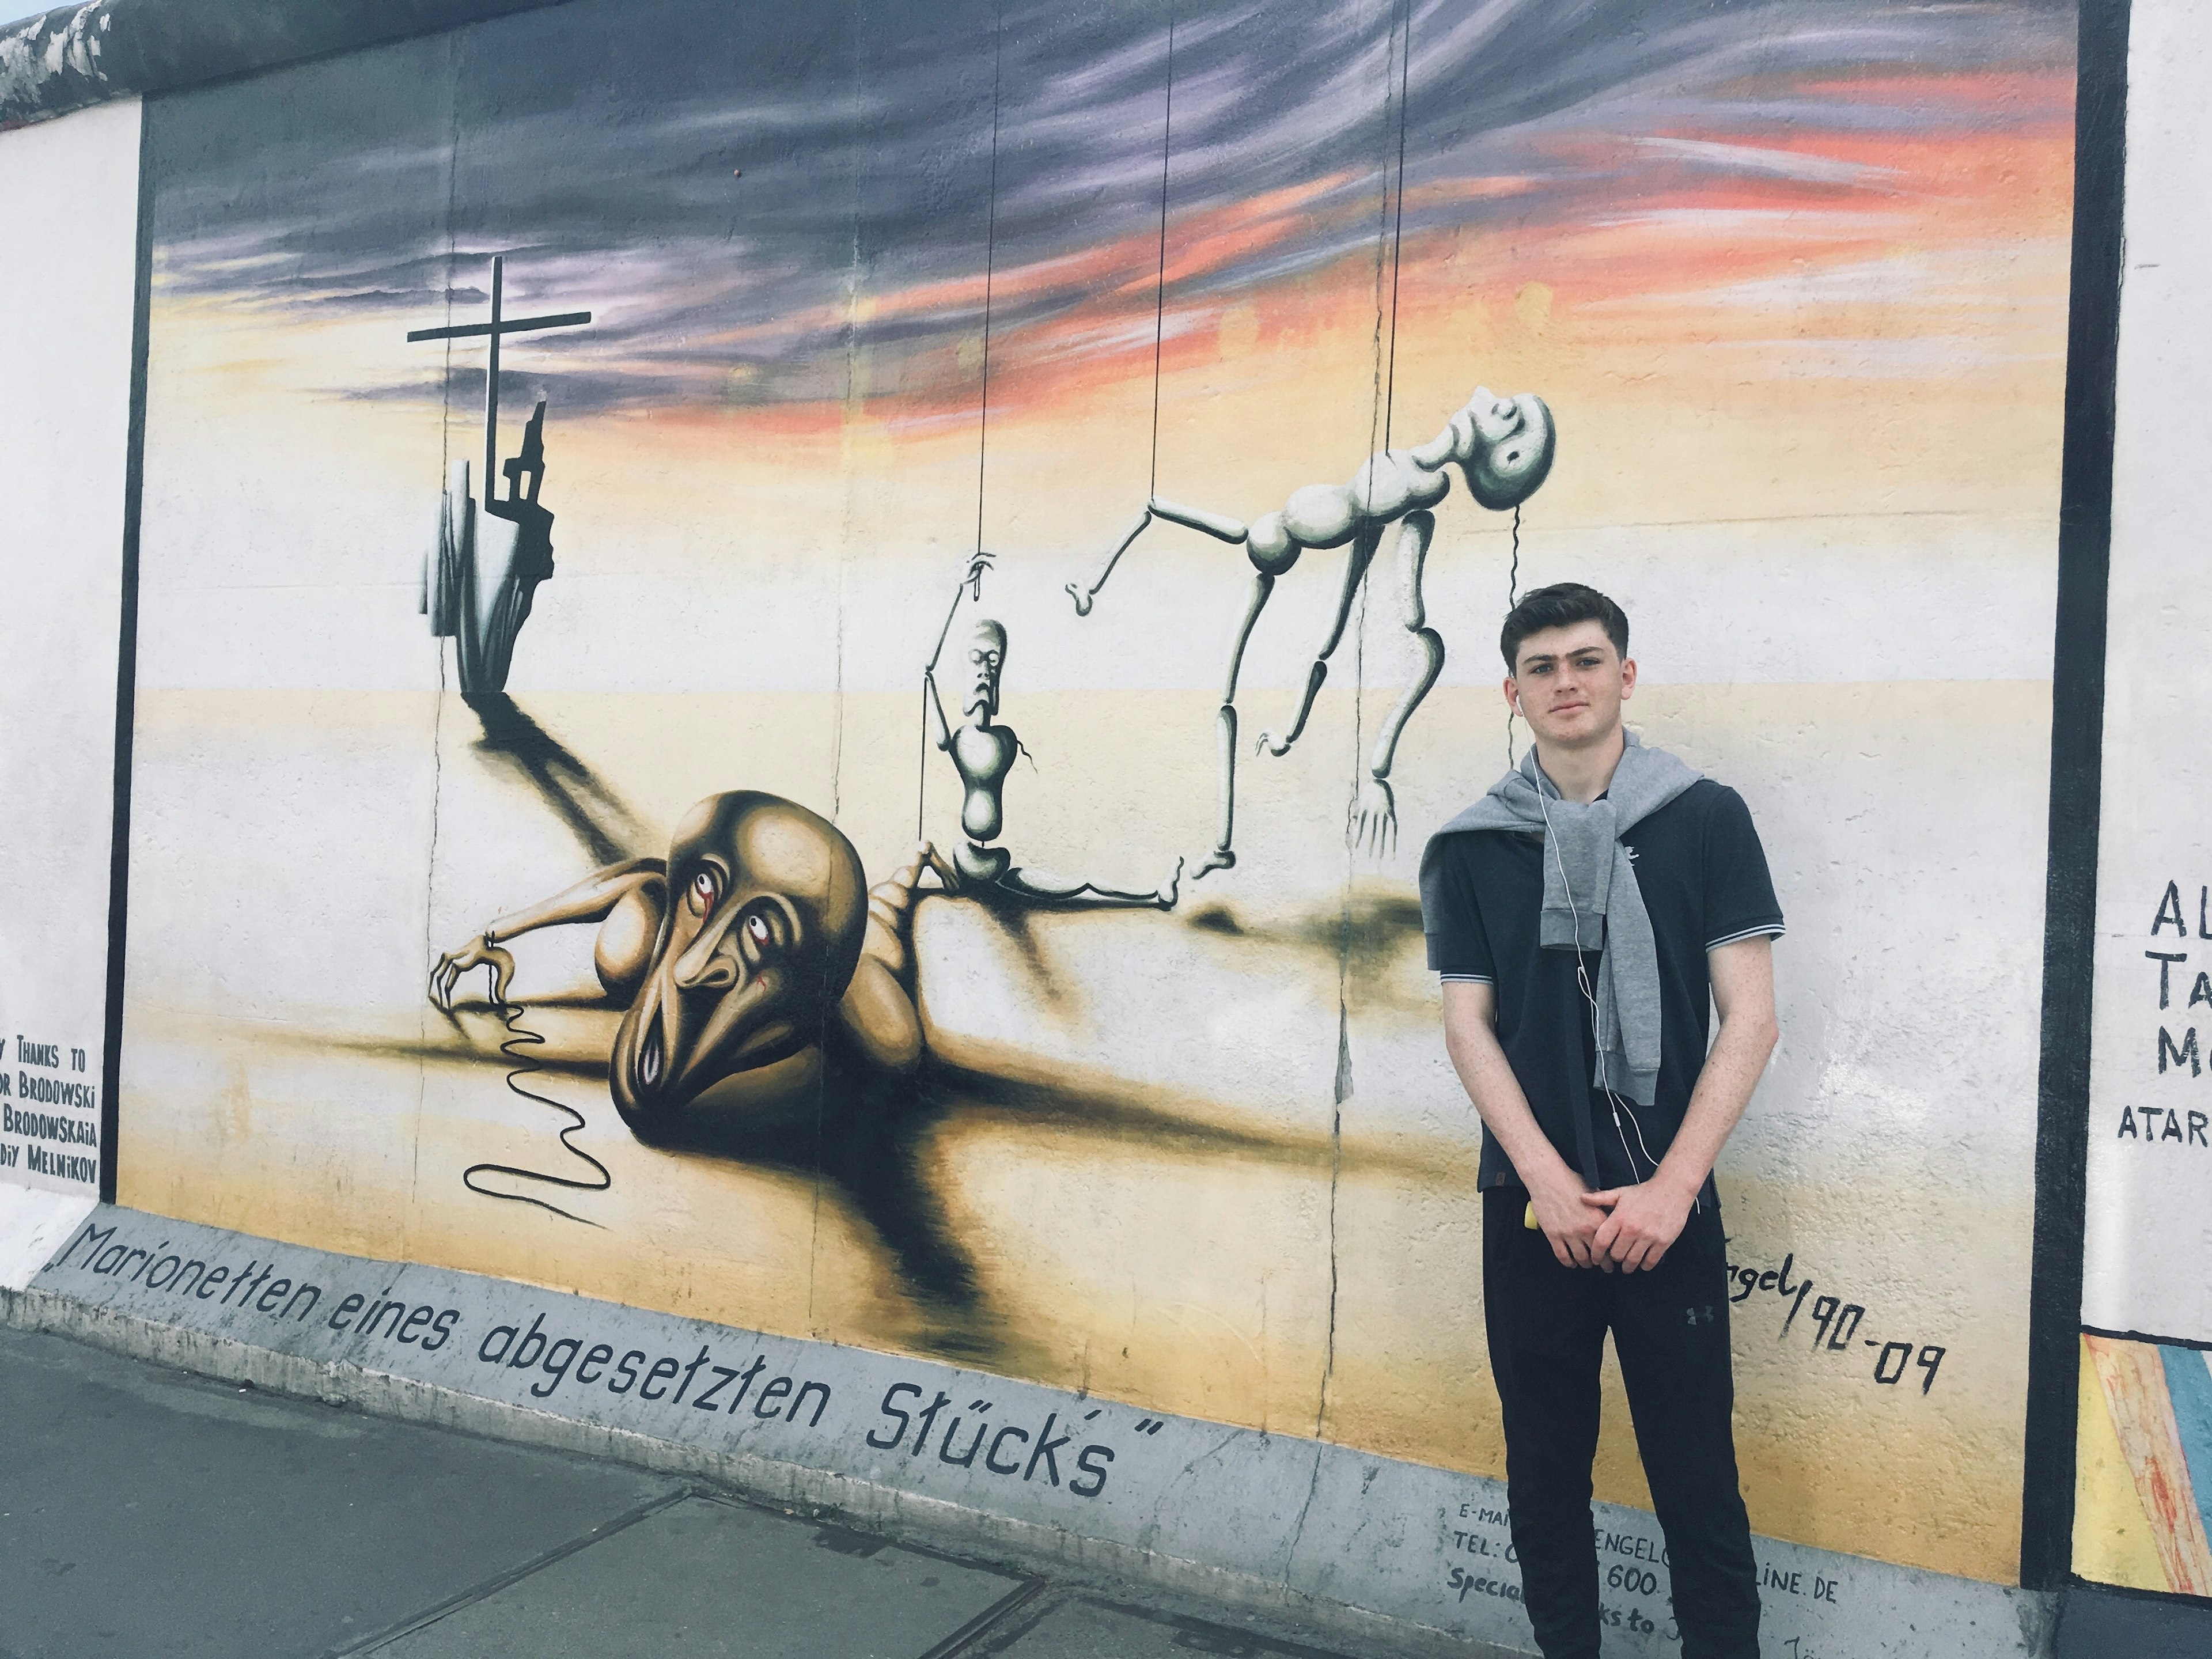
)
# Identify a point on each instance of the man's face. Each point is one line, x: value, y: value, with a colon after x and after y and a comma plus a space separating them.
x: 1569, y: 684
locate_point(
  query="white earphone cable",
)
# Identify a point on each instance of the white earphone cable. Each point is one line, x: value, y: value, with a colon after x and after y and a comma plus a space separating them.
x: 1581, y: 980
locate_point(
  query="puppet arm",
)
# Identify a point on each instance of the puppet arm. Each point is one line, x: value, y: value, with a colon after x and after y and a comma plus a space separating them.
x: 590, y: 900
x: 941, y: 733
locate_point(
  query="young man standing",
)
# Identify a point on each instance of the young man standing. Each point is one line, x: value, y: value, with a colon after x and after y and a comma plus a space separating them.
x: 1584, y: 914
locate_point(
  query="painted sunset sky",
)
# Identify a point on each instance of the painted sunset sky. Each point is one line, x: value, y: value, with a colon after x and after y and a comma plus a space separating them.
x: 1761, y: 155
x: 1784, y: 260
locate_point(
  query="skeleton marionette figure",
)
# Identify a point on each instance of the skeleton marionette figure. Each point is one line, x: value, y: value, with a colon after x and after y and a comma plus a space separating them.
x: 983, y: 752
x: 1503, y: 446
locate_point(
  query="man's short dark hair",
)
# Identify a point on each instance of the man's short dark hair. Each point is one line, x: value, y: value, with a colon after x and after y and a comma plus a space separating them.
x: 1561, y: 605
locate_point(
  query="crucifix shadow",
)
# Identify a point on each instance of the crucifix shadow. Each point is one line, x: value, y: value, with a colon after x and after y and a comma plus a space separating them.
x: 586, y: 805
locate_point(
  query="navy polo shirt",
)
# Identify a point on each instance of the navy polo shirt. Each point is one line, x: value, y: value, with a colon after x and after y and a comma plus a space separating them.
x: 1703, y: 875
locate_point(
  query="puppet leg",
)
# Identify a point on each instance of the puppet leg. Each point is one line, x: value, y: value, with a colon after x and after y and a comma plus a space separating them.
x: 1377, y: 824
x: 878, y: 1009
x: 1217, y: 526
x: 1355, y: 572
x: 1048, y: 891
x: 1225, y: 720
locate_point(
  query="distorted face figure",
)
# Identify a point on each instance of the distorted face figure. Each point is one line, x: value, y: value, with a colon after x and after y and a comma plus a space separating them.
x: 987, y: 659
x: 1569, y: 684
x: 766, y: 907
x: 1504, y: 446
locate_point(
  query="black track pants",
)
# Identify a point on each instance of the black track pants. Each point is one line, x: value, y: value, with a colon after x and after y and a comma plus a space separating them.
x: 1670, y: 1328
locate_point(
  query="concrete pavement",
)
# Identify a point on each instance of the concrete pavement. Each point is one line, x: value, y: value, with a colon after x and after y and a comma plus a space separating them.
x: 147, y: 1512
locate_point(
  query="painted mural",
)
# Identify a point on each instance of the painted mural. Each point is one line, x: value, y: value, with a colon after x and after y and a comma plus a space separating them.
x: 2144, y: 1470
x: 793, y: 662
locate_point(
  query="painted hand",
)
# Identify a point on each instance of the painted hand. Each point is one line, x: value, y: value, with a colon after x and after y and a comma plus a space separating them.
x: 1640, y: 1223
x: 478, y: 952
x: 1375, y: 823
x: 976, y: 566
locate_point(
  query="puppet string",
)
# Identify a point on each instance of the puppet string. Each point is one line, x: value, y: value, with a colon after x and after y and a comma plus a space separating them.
x: 521, y: 1037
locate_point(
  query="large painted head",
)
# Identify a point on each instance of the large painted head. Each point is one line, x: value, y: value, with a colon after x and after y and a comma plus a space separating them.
x: 1505, y: 447
x: 767, y: 904
x: 987, y: 660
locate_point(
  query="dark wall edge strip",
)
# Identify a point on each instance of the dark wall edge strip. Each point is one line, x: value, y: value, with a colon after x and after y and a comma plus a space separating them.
x: 2077, y: 726
x: 75, y: 57
x: 126, y: 668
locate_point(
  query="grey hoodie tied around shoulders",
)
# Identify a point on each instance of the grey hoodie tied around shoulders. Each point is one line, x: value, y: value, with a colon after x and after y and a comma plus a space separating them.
x: 1591, y: 901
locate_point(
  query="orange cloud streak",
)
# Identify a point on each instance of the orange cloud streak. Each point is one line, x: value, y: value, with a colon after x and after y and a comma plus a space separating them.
x: 1647, y: 225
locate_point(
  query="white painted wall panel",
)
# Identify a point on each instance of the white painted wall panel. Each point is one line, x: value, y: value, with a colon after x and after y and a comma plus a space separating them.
x: 69, y: 195
x: 2150, y: 1129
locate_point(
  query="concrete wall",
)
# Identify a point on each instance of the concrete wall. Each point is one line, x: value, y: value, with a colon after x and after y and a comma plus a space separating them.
x: 71, y: 190
x: 872, y: 297
x: 2144, y: 1472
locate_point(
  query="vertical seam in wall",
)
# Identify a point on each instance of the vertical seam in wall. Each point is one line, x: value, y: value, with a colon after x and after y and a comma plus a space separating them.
x: 990, y: 268
x: 1160, y: 276
x: 1389, y: 220
x: 2085, y: 531
x: 438, y: 710
x: 846, y: 515
x: 126, y: 664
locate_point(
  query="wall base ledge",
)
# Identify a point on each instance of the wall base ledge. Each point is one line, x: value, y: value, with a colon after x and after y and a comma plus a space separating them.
x: 1321, y: 1541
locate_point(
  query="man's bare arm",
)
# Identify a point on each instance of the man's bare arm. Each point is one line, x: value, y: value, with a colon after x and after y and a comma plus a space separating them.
x: 1646, y: 1220
x: 1470, y: 1040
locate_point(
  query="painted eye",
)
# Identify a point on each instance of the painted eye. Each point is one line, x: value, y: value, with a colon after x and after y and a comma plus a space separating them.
x: 758, y: 931
x: 705, y: 888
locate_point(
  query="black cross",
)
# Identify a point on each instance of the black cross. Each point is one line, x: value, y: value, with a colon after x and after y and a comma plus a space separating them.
x: 493, y: 329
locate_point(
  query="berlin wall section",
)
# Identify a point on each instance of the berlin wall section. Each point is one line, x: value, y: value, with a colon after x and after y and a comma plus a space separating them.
x: 70, y: 188
x: 2143, y: 1483
x: 668, y: 760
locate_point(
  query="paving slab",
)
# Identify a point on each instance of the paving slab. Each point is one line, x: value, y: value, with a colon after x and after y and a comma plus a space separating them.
x: 2105, y: 1624
x: 1080, y: 1626
x: 707, y: 1579
x: 145, y: 1513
